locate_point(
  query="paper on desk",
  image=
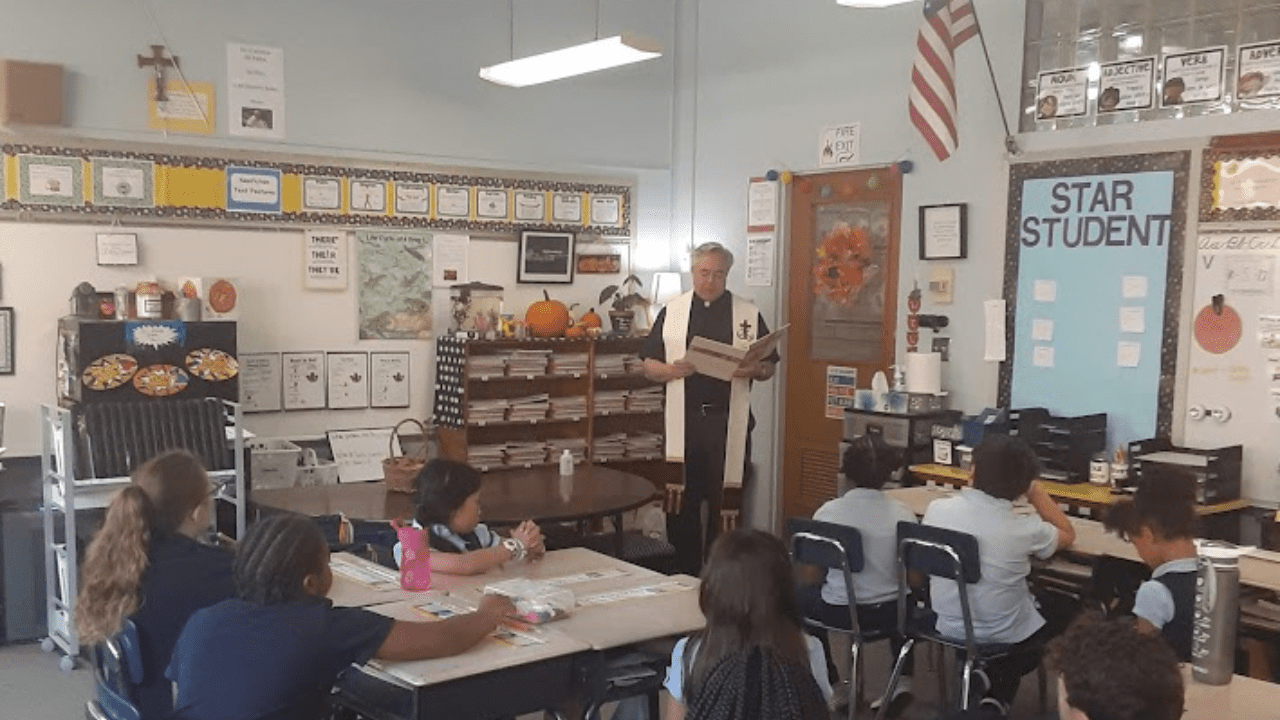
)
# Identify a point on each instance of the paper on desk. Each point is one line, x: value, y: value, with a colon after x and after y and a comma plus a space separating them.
x: 374, y: 576
x: 720, y: 361
x: 647, y: 591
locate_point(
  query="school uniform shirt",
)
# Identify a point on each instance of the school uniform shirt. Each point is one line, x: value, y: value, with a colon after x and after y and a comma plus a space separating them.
x: 443, y: 539
x: 240, y: 659
x: 182, y: 576
x: 674, y: 682
x: 876, y: 517
x: 1169, y: 611
x: 1001, y: 603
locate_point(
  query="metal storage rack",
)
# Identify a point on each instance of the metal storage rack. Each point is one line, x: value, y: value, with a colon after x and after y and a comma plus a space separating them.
x: 64, y: 494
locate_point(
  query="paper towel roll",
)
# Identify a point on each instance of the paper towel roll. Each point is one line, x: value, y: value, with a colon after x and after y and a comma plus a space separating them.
x: 924, y: 372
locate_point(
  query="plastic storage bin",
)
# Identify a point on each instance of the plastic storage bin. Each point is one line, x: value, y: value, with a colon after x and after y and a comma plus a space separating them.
x: 274, y: 462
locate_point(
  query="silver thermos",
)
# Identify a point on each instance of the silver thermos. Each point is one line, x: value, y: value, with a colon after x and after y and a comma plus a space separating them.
x: 1213, y: 639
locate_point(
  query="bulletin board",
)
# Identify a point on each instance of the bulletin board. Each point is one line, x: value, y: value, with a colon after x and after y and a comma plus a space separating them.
x: 1093, y: 276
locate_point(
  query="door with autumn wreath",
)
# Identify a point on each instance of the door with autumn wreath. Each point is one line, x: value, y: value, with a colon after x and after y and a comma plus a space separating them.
x: 842, y: 301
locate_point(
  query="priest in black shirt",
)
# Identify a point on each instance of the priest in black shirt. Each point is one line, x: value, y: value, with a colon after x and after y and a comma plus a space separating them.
x: 712, y: 312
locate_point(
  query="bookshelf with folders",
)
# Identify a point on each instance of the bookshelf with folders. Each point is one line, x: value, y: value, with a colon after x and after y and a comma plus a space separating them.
x: 505, y: 404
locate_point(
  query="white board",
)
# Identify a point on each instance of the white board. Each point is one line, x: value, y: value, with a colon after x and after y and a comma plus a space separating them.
x: 1242, y: 268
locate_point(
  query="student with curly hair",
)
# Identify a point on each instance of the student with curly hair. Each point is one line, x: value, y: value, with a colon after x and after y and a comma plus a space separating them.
x: 276, y: 650
x: 1162, y: 523
x: 147, y: 564
x: 449, y: 508
x: 1111, y: 671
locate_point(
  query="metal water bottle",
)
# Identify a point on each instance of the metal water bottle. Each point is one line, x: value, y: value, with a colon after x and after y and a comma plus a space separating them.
x: 1213, y: 638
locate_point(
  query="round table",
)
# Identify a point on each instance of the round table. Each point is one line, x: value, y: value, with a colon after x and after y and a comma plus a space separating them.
x: 507, y: 497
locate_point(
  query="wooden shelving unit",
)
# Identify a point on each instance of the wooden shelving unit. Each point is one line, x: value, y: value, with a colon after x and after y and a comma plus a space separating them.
x: 457, y: 388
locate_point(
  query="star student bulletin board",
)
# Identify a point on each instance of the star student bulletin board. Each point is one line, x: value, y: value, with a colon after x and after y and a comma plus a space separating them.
x: 1092, y: 286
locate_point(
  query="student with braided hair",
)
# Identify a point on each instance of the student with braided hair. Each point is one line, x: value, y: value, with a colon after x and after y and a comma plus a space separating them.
x: 757, y: 683
x: 276, y: 650
x: 1161, y: 522
x: 749, y: 601
x: 147, y: 564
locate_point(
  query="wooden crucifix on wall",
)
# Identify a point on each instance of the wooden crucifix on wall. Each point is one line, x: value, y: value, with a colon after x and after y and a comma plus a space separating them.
x: 158, y: 62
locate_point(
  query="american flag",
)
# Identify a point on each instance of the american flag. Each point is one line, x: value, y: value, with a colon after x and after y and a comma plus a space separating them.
x: 946, y: 25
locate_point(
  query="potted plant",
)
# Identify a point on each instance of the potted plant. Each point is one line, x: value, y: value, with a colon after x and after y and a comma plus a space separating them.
x: 624, y: 299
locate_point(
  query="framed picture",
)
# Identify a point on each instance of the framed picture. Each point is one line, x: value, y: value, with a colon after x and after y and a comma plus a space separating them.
x: 545, y: 257
x: 6, y: 341
x: 944, y: 231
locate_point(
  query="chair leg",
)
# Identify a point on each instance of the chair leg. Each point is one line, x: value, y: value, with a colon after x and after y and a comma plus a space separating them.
x: 855, y: 678
x: 1042, y: 679
x: 938, y: 657
x: 893, y: 677
x: 966, y: 679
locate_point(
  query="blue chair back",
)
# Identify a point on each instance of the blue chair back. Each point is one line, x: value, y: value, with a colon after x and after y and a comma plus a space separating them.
x: 939, y: 552
x: 117, y: 668
x: 825, y: 544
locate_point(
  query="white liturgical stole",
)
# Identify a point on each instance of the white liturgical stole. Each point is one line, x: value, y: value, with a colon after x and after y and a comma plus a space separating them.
x: 674, y: 339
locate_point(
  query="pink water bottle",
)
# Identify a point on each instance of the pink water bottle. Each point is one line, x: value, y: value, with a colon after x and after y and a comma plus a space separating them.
x: 415, y: 556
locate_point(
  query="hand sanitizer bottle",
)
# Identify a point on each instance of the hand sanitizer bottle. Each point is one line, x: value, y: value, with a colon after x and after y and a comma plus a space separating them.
x: 566, y: 463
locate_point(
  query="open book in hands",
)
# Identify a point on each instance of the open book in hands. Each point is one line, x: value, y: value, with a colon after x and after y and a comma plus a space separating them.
x: 720, y: 361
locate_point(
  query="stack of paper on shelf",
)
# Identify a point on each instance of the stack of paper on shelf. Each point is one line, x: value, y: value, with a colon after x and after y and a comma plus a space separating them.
x: 528, y: 362
x: 643, y: 445
x: 486, y: 455
x: 577, y: 448
x: 530, y: 407
x: 609, y: 447
x: 486, y: 411
x: 526, y: 453
x: 568, y: 408
x: 645, y: 399
x: 611, y: 365
x: 568, y: 364
x: 609, y: 402
x: 486, y: 365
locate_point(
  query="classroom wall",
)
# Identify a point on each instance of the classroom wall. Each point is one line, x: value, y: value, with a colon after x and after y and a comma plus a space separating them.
x: 770, y: 75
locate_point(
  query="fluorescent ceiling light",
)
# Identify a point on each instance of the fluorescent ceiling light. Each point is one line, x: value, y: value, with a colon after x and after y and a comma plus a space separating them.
x: 871, y: 3
x: 589, y: 57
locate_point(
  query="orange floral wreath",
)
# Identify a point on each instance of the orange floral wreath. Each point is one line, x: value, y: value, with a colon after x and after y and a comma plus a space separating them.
x: 841, y: 264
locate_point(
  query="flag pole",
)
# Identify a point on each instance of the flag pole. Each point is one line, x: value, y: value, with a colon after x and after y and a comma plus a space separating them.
x: 1010, y: 144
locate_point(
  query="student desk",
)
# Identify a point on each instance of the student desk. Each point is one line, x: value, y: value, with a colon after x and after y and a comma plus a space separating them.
x: 1260, y: 568
x: 495, y: 679
x: 1082, y: 495
x: 1243, y: 698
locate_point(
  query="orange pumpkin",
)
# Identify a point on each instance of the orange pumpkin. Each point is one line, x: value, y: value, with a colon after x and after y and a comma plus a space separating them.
x: 591, y: 319
x: 547, y: 318
x: 576, y: 331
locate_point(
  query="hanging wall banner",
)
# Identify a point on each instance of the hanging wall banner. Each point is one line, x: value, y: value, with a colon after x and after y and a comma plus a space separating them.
x: 1126, y: 85
x: 395, y: 284
x: 1192, y: 77
x: 1062, y: 94
x: 325, y: 261
x: 1258, y: 72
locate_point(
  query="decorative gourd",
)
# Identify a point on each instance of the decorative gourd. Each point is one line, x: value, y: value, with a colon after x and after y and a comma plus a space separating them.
x: 576, y: 331
x: 592, y: 319
x: 547, y: 318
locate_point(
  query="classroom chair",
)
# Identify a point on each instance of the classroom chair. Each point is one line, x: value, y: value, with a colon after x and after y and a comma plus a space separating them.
x: 836, y: 547
x: 116, y: 664
x: 951, y: 555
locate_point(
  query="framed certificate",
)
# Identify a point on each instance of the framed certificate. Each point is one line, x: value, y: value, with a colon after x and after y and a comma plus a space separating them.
x: 944, y: 232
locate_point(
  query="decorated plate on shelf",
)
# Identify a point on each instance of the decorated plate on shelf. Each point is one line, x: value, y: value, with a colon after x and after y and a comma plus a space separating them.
x: 212, y: 365
x: 109, y: 371
x: 161, y: 380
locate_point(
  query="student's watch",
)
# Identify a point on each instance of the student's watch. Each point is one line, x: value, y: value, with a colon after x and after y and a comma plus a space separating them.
x: 515, y: 547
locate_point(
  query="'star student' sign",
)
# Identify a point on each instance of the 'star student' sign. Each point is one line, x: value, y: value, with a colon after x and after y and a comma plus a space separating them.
x: 1096, y: 211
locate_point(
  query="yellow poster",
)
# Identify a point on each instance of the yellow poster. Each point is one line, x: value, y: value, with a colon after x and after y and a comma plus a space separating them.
x: 188, y: 109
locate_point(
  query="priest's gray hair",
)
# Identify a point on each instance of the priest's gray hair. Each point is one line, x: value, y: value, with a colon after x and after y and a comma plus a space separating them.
x: 711, y: 248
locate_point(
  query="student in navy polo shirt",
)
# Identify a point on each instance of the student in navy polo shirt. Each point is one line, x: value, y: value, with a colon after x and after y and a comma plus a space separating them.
x: 146, y: 564
x: 449, y: 508
x: 275, y: 652
x: 1161, y: 522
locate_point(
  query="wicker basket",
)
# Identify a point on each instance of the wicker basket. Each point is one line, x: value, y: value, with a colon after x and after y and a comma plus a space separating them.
x: 401, y: 473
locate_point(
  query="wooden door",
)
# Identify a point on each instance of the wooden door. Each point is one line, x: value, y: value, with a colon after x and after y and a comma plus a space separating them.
x: 842, y: 304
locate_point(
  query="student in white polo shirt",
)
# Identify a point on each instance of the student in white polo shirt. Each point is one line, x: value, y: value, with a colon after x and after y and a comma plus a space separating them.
x: 1004, y: 469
